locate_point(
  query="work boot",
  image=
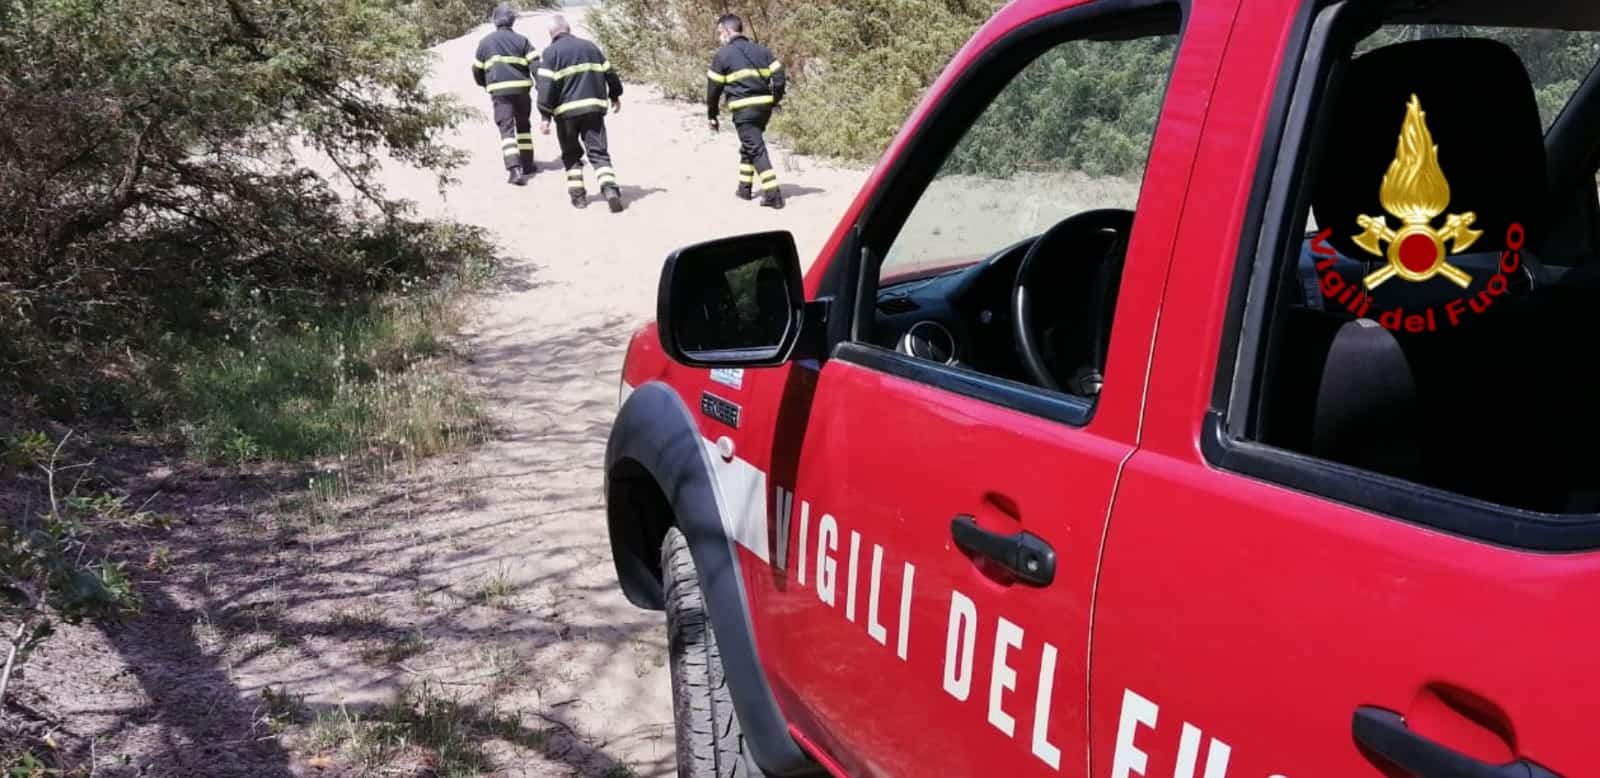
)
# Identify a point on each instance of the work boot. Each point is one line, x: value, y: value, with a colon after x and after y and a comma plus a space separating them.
x: 744, y: 193
x: 580, y: 198
x: 613, y: 197
x: 517, y: 177
x: 772, y: 198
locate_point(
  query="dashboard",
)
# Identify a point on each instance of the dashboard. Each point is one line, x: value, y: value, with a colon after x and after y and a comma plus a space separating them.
x: 959, y: 316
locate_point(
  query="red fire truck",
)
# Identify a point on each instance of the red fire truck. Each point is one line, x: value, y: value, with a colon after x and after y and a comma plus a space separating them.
x: 1339, y: 514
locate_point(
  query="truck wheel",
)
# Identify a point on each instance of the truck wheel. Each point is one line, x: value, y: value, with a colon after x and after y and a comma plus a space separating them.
x: 710, y: 743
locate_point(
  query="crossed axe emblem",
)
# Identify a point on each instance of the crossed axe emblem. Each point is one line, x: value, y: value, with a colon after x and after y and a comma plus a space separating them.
x: 1415, y: 191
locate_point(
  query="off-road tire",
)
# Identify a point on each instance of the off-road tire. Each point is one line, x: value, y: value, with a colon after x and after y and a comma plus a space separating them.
x: 710, y: 743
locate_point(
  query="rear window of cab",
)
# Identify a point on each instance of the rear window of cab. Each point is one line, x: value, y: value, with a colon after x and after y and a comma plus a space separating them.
x: 1425, y: 273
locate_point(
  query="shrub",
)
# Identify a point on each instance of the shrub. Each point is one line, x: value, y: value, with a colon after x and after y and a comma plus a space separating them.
x: 440, y: 20
x: 857, y: 70
x: 51, y: 567
x: 161, y: 172
x: 859, y: 67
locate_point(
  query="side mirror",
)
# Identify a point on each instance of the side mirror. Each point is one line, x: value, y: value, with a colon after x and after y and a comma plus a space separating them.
x: 732, y: 302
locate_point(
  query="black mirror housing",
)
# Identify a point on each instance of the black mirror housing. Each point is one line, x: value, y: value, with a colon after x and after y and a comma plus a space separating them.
x: 732, y: 302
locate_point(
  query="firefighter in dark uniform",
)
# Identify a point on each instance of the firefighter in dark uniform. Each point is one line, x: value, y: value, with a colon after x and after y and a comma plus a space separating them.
x: 753, y: 80
x: 576, y: 85
x: 504, y: 66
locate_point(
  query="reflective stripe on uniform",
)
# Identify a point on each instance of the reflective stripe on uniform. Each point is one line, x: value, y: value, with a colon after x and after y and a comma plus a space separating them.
x: 587, y: 67
x: 750, y: 101
x: 575, y: 178
x: 525, y: 141
x: 590, y: 102
x: 737, y: 75
x: 769, y: 180
x: 747, y: 173
x: 605, y: 175
x: 498, y: 85
x: 501, y: 59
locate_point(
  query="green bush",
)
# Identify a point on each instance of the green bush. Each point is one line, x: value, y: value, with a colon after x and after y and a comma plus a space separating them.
x: 440, y: 20
x: 858, y: 68
x: 160, y: 173
x: 367, y: 381
x: 1085, y: 105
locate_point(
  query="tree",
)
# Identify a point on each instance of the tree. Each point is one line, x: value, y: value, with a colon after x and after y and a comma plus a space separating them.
x: 155, y: 163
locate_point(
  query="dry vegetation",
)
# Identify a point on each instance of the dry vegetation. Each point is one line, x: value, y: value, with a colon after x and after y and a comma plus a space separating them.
x: 195, y: 322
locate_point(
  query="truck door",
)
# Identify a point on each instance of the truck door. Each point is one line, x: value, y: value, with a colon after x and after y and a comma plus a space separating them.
x: 1346, y: 546
x: 945, y: 514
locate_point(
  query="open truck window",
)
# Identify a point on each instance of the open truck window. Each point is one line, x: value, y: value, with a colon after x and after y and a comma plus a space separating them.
x: 1429, y: 319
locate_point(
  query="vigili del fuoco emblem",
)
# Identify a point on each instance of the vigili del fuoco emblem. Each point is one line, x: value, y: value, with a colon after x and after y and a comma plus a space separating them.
x: 1415, y: 191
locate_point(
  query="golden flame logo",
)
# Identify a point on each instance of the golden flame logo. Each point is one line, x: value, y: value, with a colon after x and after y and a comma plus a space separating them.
x: 1415, y: 191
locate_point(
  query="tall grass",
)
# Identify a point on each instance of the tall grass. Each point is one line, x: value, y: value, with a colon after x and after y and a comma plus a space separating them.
x: 369, y: 382
x: 447, y: 734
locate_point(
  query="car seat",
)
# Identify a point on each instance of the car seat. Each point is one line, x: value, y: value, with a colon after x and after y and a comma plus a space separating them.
x: 1367, y: 414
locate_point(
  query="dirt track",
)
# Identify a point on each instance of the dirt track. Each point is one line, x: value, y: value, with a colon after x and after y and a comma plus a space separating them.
x: 548, y: 351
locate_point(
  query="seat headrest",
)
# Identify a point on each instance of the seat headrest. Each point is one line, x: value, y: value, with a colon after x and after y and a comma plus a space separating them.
x: 1478, y: 103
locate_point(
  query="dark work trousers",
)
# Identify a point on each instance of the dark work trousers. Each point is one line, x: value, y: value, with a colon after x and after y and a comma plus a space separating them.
x: 585, y: 134
x: 513, y: 115
x: 755, y: 167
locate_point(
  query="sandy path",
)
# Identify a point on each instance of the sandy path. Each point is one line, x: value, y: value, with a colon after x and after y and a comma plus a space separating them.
x: 548, y: 351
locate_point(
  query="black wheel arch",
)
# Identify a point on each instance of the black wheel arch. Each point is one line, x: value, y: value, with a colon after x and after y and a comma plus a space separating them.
x: 658, y: 475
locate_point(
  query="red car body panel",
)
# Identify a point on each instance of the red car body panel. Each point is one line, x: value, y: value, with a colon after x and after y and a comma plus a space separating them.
x: 1202, y: 623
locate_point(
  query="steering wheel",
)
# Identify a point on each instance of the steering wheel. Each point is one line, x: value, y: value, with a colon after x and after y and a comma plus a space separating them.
x: 1075, y: 230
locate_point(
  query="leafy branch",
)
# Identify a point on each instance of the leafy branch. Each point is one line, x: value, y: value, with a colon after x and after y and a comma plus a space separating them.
x: 49, y: 568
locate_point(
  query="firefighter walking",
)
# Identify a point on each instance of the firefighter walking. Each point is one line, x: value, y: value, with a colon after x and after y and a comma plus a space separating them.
x: 504, y: 67
x: 576, y: 85
x: 753, y: 81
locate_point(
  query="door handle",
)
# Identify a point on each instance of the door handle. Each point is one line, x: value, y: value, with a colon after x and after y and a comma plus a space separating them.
x: 1385, y: 733
x: 1025, y: 555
